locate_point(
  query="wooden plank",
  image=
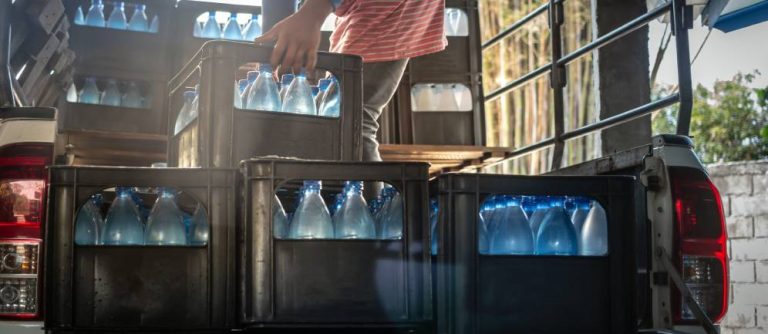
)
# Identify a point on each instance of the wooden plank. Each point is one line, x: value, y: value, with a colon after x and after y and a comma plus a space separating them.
x: 45, y: 13
x: 40, y: 63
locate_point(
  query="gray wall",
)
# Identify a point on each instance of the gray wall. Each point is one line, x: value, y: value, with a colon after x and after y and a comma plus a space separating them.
x: 744, y: 190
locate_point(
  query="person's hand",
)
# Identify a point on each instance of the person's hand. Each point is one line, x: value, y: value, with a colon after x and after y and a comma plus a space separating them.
x: 297, y: 37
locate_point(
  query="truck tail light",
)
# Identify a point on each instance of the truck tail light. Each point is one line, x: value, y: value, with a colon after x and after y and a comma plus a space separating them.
x: 700, y: 244
x: 22, y: 209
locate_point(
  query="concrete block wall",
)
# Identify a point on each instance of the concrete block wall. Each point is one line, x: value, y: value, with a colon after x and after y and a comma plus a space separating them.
x: 744, y: 190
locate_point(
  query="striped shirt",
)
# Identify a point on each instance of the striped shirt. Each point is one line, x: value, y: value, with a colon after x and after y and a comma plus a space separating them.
x: 385, y: 30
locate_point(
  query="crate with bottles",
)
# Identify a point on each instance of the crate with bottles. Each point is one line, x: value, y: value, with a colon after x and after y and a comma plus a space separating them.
x: 532, y: 249
x: 197, y: 22
x: 114, y: 100
x: 227, y: 105
x: 140, y: 248
x: 132, y: 34
x: 317, y: 254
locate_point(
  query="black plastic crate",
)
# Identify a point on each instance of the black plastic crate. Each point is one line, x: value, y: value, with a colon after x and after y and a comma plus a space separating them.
x: 139, y: 288
x: 223, y: 135
x: 149, y: 119
x: 131, y: 50
x: 532, y: 293
x: 334, y: 284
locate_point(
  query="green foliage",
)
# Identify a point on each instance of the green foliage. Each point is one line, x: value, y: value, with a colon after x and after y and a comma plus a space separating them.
x: 728, y: 123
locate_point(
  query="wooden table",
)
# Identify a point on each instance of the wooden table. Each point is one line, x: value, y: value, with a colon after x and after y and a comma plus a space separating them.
x: 445, y: 158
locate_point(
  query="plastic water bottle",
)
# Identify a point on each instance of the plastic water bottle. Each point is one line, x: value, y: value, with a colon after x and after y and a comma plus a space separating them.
x: 237, y: 98
x: 594, y: 234
x: 182, y: 120
x: 155, y: 25
x: 353, y: 220
x: 139, y: 21
x: 556, y: 235
x: 242, y: 84
x: 123, y: 224
x: 392, y: 218
x: 578, y: 207
x: 513, y: 234
x: 79, y: 17
x: 434, y: 215
x: 485, y: 215
x: 311, y: 219
x: 165, y: 224
x: 133, y: 98
x: 285, y: 81
x: 542, y: 207
x: 252, y: 28
x: 111, y: 96
x: 232, y: 28
x: 117, y: 18
x: 199, y: 230
x: 90, y: 93
x: 385, y: 201
x: 88, y: 223
x: 499, y: 209
x: 211, y: 27
x: 298, y: 98
x: 197, y: 30
x: 280, y: 226
x: 331, y: 105
x: 263, y: 93
x: 72, y: 95
x: 322, y: 86
x: 529, y: 205
x: 315, y: 91
x: 337, y: 203
x: 95, y: 16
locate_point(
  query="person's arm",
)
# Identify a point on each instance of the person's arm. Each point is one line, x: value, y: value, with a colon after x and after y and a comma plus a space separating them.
x: 297, y: 37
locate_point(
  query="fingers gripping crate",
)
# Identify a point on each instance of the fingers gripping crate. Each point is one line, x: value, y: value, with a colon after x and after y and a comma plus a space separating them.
x: 140, y: 288
x: 480, y: 293
x: 334, y: 283
x: 222, y: 135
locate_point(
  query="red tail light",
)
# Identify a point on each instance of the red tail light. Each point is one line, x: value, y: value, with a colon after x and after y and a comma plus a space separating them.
x: 700, y: 237
x: 22, y: 209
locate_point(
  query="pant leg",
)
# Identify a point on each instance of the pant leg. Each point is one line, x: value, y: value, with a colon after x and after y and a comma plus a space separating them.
x: 380, y: 81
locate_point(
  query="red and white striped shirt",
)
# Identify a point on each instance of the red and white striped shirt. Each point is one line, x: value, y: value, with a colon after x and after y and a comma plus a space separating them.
x: 385, y: 30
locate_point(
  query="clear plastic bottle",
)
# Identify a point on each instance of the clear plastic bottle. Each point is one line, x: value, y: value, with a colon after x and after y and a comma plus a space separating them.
x: 232, y: 28
x: 197, y: 30
x: 298, y: 98
x: 311, y: 219
x: 513, y: 233
x: 111, y: 96
x: 556, y: 235
x: 88, y: 223
x: 322, y: 87
x: 165, y: 224
x: 182, y: 120
x: 578, y: 207
x: 211, y: 27
x: 353, y: 220
x: 252, y: 28
x: 280, y: 226
x: 72, y: 95
x: 90, y: 93
x: 434, y: 210
x: 594, y: 233
x: 199, y: 230
x: 250, y: 79
x: 95, y: 16
x: 79, y: 17
x: 133, y: 98
x: 285, y: 81
x: 392, y: 219
x: 446, y: 100
x: 483, y: 237
x: 542, y: 207
x: 237, y: 99
x: 154, y: 27
x: 242, y: 84
x: 331, y: 106
x: 139, y: 21
x: 123, y: 224
x: 117, y: 18
x: 263, y: 94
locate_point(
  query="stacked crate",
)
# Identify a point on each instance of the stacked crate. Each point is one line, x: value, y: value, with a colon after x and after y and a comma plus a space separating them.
x: 223, y: 135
